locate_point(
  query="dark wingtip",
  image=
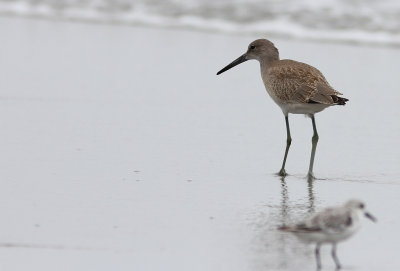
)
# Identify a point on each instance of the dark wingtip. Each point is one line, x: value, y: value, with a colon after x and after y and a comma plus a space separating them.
x: 339, y: 100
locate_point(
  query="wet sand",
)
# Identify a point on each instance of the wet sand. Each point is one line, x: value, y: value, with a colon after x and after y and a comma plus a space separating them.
x: 122, y: 150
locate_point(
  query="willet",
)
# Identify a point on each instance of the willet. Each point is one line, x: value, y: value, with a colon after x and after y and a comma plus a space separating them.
x: 296, y: 87
x: 331, y: 225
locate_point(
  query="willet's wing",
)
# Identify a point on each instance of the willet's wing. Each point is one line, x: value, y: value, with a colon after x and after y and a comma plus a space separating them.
x: 322, y: 93
x: 303, y: 83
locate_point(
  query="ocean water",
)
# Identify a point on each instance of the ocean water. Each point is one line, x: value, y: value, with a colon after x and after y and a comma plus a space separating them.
x: 355, y: 21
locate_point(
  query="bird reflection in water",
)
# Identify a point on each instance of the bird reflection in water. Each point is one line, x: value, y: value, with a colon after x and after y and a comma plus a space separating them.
x: 285, y: 208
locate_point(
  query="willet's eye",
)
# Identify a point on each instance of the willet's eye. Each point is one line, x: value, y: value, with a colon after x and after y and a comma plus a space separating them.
x: 252, y: 47
x: 362, y: 206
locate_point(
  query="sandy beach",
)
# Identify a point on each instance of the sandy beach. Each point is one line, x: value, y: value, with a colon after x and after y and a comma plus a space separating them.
x: 122, y: 150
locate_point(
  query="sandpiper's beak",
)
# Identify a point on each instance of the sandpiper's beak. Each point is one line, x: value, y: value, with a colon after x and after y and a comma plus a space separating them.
x: 368, y: 215
x: 239, y: 60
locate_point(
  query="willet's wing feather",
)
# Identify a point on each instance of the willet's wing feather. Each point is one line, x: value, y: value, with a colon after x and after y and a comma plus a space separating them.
x: 321, y: 94
x: 303, y: 94
x: 325, y: 94
x: 294, y: 81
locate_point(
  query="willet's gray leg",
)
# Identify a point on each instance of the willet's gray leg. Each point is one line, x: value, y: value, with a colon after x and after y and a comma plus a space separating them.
x: 282, y: 172
x: 335, y: 258
x: 318, y: 257
x: 314, y: 147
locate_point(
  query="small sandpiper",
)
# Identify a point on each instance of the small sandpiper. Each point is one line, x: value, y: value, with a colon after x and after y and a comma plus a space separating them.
x: 296, y: 87
x: 331, y: 225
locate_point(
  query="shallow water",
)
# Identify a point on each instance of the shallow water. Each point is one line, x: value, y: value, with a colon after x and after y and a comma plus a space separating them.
x: 123, y: 150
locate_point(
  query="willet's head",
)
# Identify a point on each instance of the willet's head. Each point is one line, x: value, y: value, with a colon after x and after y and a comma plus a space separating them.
x: 359, y: 207
x: 262, y: 50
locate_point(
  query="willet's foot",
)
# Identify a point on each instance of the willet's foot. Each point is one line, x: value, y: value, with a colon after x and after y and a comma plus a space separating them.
x: 331, y: 225
x: 296, y: 87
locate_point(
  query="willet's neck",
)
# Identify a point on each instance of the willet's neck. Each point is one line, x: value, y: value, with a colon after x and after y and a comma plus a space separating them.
x: 268, y: 60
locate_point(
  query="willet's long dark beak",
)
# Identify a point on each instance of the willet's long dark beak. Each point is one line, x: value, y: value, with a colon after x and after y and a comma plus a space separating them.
x: 368, y: 215
x: 239, y: 60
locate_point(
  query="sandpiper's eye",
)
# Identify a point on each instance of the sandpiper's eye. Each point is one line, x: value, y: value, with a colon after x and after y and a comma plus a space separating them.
x: 252, y: 47
x: 362, y: 206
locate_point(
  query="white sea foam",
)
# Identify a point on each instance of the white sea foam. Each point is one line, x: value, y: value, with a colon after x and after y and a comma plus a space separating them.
x: 368, y: 21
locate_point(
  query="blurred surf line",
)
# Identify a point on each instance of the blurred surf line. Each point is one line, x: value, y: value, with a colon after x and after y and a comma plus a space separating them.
x: 360, y: 22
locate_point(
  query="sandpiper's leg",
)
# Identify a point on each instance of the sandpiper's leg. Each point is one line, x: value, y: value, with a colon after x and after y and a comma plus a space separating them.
x: 318, y: 257
x: 314, y: 147
x: 282, y: 172
x: 335, y: 258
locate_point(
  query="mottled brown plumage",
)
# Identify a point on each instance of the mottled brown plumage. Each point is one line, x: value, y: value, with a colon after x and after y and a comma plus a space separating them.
x: 296, y: 82
x: 296, y: 87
